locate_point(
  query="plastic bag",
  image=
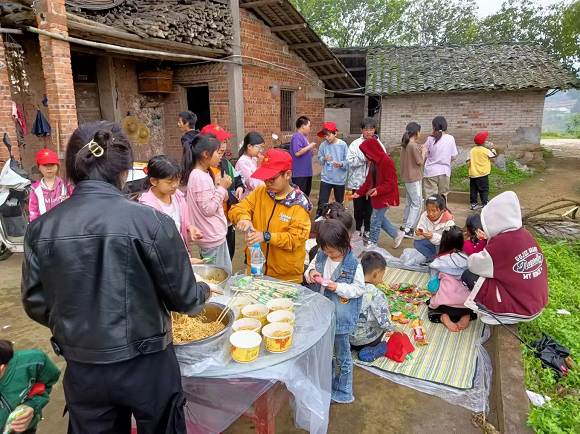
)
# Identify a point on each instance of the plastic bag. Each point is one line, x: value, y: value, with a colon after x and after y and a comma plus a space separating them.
x: 412, y: 257
x: 357, y: 244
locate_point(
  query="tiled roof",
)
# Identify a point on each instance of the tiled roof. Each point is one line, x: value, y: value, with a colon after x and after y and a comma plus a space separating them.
x: 395, y: 70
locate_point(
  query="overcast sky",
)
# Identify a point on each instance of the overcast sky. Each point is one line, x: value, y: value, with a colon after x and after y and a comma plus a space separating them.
x: 487, y: 7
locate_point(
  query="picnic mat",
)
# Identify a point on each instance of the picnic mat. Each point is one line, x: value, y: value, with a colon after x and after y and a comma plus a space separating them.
x: 449, y: 359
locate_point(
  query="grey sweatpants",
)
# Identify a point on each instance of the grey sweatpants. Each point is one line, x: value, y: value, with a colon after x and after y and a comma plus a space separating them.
x: 221, y: 255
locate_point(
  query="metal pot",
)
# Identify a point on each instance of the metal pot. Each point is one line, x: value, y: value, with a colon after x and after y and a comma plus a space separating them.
x: 213, y: 272
x: 212, y: 311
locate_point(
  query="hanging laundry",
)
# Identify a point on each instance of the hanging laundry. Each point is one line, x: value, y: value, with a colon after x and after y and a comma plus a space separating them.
x: 18, y: 116
x: 41, y: 127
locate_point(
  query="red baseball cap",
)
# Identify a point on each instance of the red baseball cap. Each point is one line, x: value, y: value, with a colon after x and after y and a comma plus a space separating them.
x: 46, y: 156
x: 275, y: 161
x: 330, y: 126
x: 480, y: 138
x: 217, y: 131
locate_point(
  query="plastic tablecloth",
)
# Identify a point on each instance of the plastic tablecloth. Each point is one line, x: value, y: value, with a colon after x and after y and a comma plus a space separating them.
x: 219, y: 390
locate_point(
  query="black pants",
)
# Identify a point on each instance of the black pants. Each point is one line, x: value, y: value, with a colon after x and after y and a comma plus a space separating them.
x: 455, y: 313
x: 101, y: 398
x: 304, y: 182
x: 469, y: 279
x: 325, y: 190
x: 372, y: 344
x: 479, y: 185
x: 231, y: 240
x: 363, y: 210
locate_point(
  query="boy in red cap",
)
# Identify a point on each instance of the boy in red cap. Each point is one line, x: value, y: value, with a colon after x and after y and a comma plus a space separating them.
x: 236, y: 190
x: 332, y: 158
x: 50, y: 190
x: 479, y: 165
x: 276, y: 215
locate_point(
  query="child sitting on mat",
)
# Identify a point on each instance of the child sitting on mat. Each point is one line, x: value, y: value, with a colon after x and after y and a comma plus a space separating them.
x: 375, y: 317
x: 340, y: 278
x: 446, y: 305
x: 432, y: 223
x: 475, y: 239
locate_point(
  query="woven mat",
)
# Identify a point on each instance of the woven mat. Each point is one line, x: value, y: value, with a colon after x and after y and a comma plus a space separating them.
x: 450, y: 358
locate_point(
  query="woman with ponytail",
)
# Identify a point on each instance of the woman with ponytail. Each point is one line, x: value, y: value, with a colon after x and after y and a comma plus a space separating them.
x: 412, y: 159
x: 104, y: 273
x: 441, y: 151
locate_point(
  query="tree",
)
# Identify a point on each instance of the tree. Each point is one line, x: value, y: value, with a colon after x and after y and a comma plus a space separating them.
x: 352, y: 23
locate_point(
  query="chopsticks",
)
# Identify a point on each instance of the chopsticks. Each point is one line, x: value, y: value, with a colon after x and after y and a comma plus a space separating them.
x: 215, y: 291
x: 222, y: 315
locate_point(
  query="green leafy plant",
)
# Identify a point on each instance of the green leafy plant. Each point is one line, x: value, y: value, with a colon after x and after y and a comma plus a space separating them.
x: 562, y: 414
x: 499, y: 180
x: 573, y: 125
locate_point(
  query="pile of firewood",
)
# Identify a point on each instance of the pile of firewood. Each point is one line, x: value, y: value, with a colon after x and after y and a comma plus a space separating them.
x: 559, y: 219
x: 199, y: 23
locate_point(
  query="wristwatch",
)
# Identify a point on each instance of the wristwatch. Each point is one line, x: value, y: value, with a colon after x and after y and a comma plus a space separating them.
x: 267, y: 236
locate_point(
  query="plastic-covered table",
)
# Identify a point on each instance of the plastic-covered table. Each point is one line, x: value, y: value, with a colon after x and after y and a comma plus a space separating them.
x: 218, y: 393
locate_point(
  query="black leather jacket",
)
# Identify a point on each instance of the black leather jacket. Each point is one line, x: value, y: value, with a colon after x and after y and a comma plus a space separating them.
x: 103, y: 272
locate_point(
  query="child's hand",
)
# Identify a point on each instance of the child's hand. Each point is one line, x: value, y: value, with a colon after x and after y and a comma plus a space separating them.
x: 195, y: 261
x: 331, y: 286
x: 226, y: 181
x: 254, y: 236
x: 480, y: 234
x: 194, y: 232
x: 239, y: 192
x: 419, y: 232
x: 21, y: 423
x: 428, y: 235
x: 312, y: 276
x: 327, y: 158
x: 354, y: 196
x: 336, y: 164
x: 260, y: 158
x: 372, y: 192
x: 244, y: 225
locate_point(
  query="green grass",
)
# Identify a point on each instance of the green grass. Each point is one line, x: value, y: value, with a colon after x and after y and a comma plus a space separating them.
x: 499, y: 180
x: 562, y: 414
x: 555, y: 135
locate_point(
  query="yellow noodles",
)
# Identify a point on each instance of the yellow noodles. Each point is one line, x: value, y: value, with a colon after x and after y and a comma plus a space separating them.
x: 189, y: 329
x: 278, y: 308
x: 245, y: 328
x: 255, y: 313
x: 206, y: 279
x: 281, y: 334
x: 285, y: 320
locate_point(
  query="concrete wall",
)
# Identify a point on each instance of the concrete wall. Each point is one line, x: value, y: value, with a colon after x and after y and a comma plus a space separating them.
x: 261, y: 103
x: 357, y: 111
x: 507, y: 115
x: 341, y: 117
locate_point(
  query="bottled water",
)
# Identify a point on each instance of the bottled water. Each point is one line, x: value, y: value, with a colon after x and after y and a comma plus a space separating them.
x: 257, y: 261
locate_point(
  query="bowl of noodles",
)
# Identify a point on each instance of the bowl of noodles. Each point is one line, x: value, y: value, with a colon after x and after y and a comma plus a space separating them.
x: 202, y: 328
x: 212, y: 274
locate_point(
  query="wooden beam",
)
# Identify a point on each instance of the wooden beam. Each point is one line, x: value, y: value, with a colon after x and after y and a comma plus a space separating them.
x: 322, y: 63
x: 289, y: 27
x: 12, y: 31
x: 305, y: 45
x: 352, y: 56
x: 259, y: 3
x: 357, y: 69
x: 331, y: 76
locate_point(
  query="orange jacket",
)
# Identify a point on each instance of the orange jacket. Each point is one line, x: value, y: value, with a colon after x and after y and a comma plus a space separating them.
x: 288, y: 220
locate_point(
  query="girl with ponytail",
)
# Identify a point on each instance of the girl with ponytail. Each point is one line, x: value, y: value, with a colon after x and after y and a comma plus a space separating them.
x: 441, y: 151
x: 412, y: 159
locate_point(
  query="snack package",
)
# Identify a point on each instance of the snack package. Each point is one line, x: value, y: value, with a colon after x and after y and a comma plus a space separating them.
x: 416, y: 322
x: 419, y: 334
x: 12, y: 417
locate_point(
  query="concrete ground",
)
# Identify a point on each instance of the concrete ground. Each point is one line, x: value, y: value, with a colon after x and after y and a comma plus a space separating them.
x: 380, y: 407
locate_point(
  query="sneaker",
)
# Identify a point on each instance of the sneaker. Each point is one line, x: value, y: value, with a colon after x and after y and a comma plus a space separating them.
x: 473, y: 207
x: 366, y: 235
x: 370, y: 354
x: 370, y: 246
x: 398, y: 239
x: 409, y: 233
x: 425, y: 264
x: 402, y: 228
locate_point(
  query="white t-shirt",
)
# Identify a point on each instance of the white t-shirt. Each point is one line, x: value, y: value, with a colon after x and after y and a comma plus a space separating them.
x: 173, y: 211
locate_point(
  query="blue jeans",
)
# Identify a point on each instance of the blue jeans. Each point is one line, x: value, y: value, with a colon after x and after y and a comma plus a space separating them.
x: 342, y: 381
x: 378, y: 221
x: 426, y: 248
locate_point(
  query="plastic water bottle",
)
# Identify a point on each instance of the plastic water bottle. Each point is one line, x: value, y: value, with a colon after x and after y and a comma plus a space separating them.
x: 257, y: 261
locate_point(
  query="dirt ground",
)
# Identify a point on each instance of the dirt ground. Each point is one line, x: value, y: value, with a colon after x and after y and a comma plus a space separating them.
x: 381, y: 406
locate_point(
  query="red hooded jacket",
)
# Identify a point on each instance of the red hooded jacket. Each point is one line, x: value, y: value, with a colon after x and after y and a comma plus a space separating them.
x: 387, y: 186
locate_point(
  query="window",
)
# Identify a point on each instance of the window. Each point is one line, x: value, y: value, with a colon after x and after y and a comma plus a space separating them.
x: 287, y: 110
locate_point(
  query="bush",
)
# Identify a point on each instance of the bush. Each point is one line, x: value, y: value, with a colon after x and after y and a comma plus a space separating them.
x: 562, y: 414
x: 499, y: 180
x: 573, y: 125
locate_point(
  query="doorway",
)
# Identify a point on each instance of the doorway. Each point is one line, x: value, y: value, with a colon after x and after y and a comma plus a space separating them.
x: 198, y: 102
x: 84, y: 69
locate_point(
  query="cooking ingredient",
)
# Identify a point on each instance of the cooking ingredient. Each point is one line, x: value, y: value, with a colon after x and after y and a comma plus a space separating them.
x: 246, y: 328
x: 191, y: 329
x: 255, y: 313
x: 285, y: 320
x: 281, y: 334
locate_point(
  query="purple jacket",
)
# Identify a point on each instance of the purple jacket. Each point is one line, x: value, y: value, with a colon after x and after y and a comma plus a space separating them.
x: 148, y: 198
x: 43, y: 199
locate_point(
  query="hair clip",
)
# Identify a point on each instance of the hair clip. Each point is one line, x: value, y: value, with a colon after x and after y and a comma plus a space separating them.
x: 95, y: 149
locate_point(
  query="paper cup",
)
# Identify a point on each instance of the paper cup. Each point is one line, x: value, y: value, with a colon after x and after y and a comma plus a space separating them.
x: 275, y: 344
x: 256, y: 308
x: 247, y: 322
x: 280, y: 304
x: 239, y: 304
x: 282, y: 317
x: 245, y: 346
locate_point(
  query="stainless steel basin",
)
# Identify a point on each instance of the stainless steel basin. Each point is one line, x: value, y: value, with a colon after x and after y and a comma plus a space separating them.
x: 219, y: 274
x: 212, y: 311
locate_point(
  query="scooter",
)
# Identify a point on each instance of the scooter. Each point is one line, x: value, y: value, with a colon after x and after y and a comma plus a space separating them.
x: 14, y: 193
x: 284, y: 146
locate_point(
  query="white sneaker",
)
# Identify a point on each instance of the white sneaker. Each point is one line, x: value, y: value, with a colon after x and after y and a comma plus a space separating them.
x: 398, y: 239
x: 370, y: 247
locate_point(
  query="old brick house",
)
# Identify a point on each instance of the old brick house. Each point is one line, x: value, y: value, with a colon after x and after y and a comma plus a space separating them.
x: 262, y: 68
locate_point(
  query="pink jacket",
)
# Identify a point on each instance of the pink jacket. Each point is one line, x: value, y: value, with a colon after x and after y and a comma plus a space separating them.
x: 43, y: 199
x: 451, y: 293
x: 470, y: 249
x: 248, y: 165
x: 148, y: 198
x: 205, y: 205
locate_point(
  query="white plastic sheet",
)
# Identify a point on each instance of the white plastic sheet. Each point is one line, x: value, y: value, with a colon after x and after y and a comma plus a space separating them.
x: 410, y: 258
x: 475, y: 399
x: 218, y: 395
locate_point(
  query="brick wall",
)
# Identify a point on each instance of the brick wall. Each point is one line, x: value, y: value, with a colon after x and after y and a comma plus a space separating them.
x: 467, y: 113
x: 6, y: 122
x: 261, y: 105
x: 56, y: 65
